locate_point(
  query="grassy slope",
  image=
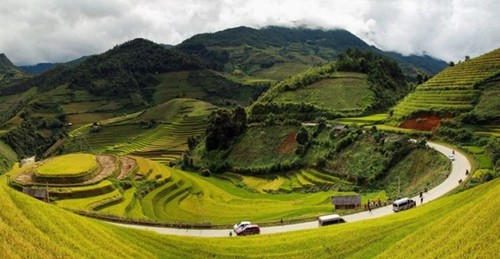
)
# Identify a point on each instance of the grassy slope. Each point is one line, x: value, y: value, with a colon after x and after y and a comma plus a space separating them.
x: 451, y: 91
x: 424, y: 169
x: 30, y: 228
x: 209, y: 86
x: 343, y: 91
x: 7, y: 157
x: 261, y: 146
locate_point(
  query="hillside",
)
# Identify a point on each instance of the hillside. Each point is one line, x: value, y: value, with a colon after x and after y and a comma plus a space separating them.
x: 277, y: 52
x: 469, y: 88
x: 126, y: 79
x: 9, y: 73
x: 159, y: 133
x: 31, y: 227
x: 359, y: 82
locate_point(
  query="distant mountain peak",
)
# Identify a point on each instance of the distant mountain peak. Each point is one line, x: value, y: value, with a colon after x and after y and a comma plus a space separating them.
x: 5, y: 61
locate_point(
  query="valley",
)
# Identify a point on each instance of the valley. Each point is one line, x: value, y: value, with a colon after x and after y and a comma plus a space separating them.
x: 265, y: 125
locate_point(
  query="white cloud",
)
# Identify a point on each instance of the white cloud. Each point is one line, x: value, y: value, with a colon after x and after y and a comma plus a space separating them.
x: 60, y: 30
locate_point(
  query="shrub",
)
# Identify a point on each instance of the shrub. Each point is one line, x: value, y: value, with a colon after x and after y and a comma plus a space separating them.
x: 205, y: 172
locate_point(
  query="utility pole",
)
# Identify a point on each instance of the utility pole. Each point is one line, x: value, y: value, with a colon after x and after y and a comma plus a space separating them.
x: 47, y: 189
x: 399, y: 189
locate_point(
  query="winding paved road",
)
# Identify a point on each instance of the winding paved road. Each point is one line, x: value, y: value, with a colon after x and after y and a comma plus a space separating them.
x: 459, y: 166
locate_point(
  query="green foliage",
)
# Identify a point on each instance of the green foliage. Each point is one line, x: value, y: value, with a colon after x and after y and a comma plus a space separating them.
x: 9, y: 73
x: 27, y: 140
x: 302, y: 136
x: 223, y: 126
x: 452, y: 132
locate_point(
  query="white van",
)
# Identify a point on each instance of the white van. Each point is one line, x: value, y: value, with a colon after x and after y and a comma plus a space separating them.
x: 403, y: 204
x: 329, y: 220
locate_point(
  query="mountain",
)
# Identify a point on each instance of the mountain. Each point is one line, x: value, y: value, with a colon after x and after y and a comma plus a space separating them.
x: 42, y: 67
x: 9, y: 73
x: 261, y: 52
x: 128, y: 78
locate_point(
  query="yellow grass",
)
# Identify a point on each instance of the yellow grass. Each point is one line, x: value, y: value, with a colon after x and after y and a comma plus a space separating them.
x: 463, y: 225
x: 68, y: 165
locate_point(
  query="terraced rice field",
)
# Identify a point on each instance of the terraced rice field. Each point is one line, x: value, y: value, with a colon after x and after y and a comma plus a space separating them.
x: 490, y: 130
x: 452, y: 91
x: 189, y: 198
x: 302, y: 180
x: 31, y: 228
x: 164, y: 143
x: 170, y: 141
x: 92, y: 202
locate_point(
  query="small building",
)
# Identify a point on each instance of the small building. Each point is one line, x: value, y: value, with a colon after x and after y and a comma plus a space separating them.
x: 40, y: 194
x: 346, y: 201
x: 340, y: 127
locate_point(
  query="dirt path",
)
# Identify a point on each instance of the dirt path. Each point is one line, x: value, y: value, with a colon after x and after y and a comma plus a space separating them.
x: 108, y: 167
x: 128, y: 164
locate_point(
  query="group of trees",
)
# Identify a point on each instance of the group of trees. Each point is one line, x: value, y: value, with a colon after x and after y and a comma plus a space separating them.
x: 26, y: 140
x: 223, y: 126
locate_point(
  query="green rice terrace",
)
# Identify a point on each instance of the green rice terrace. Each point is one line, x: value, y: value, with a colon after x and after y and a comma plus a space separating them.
x: 133, y: 187
x: 455, y: 90
x: 138, y: 188
x: 159, y: 133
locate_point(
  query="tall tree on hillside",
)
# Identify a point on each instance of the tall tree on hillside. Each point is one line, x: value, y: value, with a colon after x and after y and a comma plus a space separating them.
x: 223, y: 126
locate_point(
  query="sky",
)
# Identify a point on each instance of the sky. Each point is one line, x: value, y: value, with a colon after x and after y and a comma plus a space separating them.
x: 35, y: 31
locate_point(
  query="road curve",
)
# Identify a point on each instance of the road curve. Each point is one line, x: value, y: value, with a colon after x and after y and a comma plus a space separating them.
x: 459, y: 167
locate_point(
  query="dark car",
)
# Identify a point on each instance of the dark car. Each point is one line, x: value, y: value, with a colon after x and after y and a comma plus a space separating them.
x: 251, y: 229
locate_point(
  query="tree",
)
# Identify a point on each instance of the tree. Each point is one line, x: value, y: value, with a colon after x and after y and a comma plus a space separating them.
x: 302, y: 136
x: 240, y: 119
x: 223, y: 126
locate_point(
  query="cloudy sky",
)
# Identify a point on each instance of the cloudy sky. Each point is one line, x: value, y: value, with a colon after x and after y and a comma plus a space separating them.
x: 34, y: 31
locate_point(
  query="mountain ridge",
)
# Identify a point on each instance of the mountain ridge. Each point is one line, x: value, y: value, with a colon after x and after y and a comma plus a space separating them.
x: 325, y: 44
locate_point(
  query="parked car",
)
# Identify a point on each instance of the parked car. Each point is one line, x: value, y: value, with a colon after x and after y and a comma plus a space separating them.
x: 241, y: 224
x: 329, y: 220
x: 403, y: 204
x: 251, y: 229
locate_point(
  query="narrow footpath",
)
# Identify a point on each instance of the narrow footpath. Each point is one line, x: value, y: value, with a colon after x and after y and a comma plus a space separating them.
x: 458, y: 169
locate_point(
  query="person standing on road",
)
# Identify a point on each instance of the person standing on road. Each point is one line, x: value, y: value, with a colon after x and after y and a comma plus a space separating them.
x: 421, y: 198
